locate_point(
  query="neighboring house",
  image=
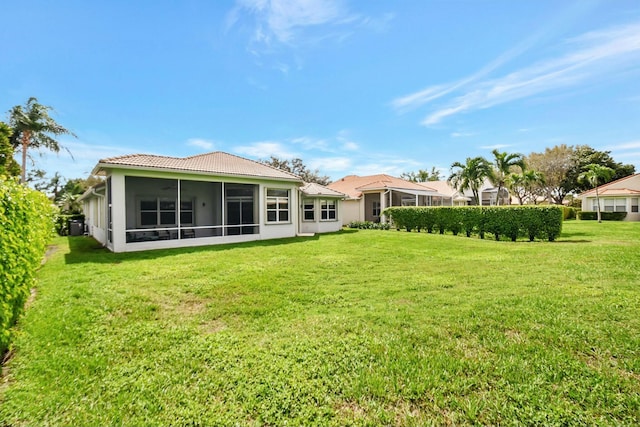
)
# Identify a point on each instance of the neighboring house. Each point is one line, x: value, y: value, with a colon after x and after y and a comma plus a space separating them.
x: 621, y: 195
x: 152, y: 202
x: 368, y: 196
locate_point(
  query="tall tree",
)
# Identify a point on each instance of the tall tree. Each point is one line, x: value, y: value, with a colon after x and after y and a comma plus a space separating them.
x: 8, y: 165
x: 297, y: 167
x: 594, y: 174
x: 503, y: 165
x: 553, y: 163
x: 422, y: 175
x: 582, y: 157
x: 470, y: 175
x: 34, y: 128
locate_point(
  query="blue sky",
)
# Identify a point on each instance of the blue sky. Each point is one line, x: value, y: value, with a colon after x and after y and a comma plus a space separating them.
x: 351, y: 87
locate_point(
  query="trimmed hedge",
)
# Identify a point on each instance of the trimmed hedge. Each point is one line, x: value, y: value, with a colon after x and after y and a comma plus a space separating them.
x: 606, y: 216
x: 368, y: 225
x: 26, y: 224
x: 512, y: 222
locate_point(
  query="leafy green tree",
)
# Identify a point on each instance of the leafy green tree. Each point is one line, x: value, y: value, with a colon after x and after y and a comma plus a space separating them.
x: 297, y: 167
x: 594, y: 175
x: 523, y: 185
x: 34, y: 128
x: 8, y: 165
x: 553, y: 163
x: 422, y: 175
x: 470, y: 175
x: 583, y: 156
x: 503, y: 165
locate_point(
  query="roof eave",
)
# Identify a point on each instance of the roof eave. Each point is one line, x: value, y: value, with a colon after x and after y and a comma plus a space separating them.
x: 100, y: 167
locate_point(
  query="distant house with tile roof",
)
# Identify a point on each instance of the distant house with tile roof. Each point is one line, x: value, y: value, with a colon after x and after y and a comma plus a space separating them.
x: 368, y: 196
x: 152, y: 202
x: 621, y: 195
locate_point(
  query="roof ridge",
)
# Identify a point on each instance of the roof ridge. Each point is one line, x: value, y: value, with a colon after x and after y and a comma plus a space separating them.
x: 124, y: 156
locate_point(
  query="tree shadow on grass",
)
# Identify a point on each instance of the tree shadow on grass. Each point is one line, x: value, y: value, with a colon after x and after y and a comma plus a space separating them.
x: 85, y: 249
x: 571, y: 237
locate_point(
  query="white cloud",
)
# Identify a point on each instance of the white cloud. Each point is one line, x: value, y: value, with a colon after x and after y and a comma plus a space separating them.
x: 624, y: 146
x: 331, y: 164
x: 461, y: 134
x: 590, y: 57
x: 309, y: 143
x: 283, y: 21
x: 265, y: 149
x: 205, y: 144
x: 494, y: 146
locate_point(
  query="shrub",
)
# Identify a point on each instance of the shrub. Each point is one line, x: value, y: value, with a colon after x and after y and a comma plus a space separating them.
x: 606, y: 216
x: 26, y: 224
x: 543, y: 222
x: 568, y: 212
x: 368, y: 225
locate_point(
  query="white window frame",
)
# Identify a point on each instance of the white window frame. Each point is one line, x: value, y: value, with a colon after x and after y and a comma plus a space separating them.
x: 158, y: 211
x: 308, y: 206
x: 634, y: 204
x: 278, y: 200
x: 376, y: 208
x: 326, y: 209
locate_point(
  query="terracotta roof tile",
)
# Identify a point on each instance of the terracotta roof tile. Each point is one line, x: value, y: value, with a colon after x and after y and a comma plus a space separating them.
x: 354, y: 185
x: 623, y: 186
x: 209, y: 163
x: 313, y: 189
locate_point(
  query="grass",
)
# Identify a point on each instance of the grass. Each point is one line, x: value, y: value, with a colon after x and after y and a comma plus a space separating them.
x: 353, y: 328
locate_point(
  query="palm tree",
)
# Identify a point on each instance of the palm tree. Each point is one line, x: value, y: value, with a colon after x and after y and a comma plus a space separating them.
x: 503, y: 164
x: 32, y: 128
x: 593, y: 175
x: 470, y: 175
x: 523, y: 184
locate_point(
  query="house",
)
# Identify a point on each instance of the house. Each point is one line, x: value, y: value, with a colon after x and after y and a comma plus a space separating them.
x: 153, y: 202
x: 368, y: 196
x: 621, y: 195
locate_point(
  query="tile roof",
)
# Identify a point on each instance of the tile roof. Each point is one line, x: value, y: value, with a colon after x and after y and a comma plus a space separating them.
x: 354, y: 186
x: 313, y: 189
x: 629, y: 185
x: 217, y: 163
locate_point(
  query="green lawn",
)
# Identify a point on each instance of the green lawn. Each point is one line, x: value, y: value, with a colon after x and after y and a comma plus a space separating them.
x: 357, y: 327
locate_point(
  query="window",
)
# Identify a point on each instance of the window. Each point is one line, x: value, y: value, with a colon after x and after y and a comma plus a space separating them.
x: 328, y: 210
x: 620, y: 205
x: 277, y: 205
x: 608, y: 205
x: 408, y: 201
x: 376, y: 208
x: 308, y: 210
x: 186, y: 212
x: 157, y: 212
x: 634, y: 204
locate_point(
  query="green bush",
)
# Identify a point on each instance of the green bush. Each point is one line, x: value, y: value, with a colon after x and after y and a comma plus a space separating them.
x: 368, y: 225
x: 512, y: 222
x: 568, y: 212
x: 26, y: 224
x: 606, y: 216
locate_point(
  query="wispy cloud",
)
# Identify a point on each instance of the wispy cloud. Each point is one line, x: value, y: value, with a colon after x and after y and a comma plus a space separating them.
x: 631, y: 145
x: 494, y: 146
x: 589, y: 57
x: 204, y: 144
x: 266, y: 149
x: 461, y: 134
x: 285, y: 21
x: 331, y: 164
